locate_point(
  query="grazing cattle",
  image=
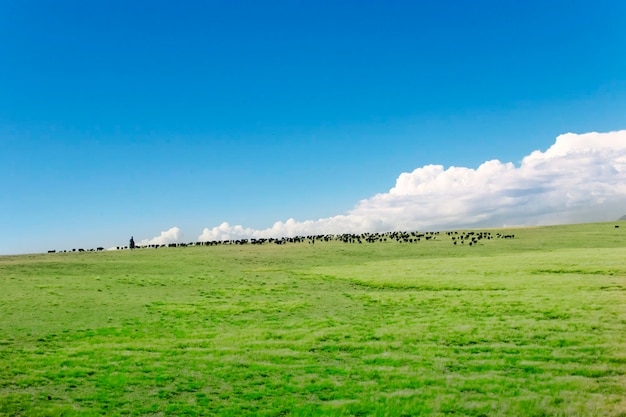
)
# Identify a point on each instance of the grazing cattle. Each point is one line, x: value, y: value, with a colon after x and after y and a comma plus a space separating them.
x: 472, y: 238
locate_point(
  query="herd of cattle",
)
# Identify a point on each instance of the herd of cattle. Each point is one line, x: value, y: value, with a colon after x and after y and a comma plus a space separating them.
x: 469, y: 238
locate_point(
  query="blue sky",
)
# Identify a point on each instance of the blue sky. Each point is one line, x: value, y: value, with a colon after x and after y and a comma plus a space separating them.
x: 130, y: 118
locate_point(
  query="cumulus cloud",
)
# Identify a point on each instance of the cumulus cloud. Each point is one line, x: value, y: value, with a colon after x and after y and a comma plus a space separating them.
x: 172, y: 235
x: 580, y: 178
x: 226, y: 232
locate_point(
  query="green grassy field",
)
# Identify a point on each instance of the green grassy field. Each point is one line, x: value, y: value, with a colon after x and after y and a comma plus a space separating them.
x: 531, y: 326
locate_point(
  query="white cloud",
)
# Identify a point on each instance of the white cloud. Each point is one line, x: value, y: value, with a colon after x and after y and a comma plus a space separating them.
x: 581, y: 178
x: 172, y: 235
x: 226, y: 232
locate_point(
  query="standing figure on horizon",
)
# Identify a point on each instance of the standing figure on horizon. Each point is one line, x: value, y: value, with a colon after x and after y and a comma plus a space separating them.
x: 132, y: 243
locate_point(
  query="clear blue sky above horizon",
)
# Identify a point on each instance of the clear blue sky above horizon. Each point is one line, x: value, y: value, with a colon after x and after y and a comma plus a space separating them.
x: 128, y: 118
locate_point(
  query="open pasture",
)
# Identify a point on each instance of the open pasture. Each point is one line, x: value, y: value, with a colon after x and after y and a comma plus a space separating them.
x: 530, y: 326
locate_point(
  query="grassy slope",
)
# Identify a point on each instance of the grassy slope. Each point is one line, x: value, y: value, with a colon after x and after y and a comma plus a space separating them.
x: 535, y: 325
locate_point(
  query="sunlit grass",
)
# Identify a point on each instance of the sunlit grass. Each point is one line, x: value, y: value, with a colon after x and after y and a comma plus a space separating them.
x: 534, y: 325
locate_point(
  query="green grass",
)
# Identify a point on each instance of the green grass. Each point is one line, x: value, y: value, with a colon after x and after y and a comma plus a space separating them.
x: 532, y: 326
